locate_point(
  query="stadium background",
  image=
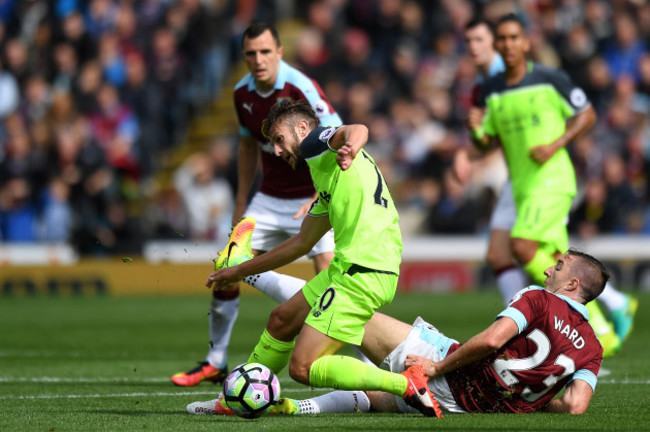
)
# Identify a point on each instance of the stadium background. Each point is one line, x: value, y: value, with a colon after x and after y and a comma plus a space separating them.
x: 118, y: 136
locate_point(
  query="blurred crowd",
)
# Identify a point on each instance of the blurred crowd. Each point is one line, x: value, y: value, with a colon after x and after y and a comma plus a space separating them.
x: 95, y: 94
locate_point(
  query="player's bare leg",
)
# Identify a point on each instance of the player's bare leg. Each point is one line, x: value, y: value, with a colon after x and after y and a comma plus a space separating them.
x: 382, y: 335
x: 322, y: 261
x: 313, y: 363
x: 382, y: 402
x: 510, y: 277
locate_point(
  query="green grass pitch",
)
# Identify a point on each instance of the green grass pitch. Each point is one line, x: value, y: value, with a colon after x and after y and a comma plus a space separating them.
x: 103, y: 364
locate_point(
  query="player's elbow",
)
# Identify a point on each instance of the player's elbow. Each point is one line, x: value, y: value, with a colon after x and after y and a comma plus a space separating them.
x: 492, y: 341
x: 303, y: 244
x: 578, y: 407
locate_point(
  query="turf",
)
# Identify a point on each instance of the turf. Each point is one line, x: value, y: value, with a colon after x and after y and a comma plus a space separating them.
x: 103, y: 363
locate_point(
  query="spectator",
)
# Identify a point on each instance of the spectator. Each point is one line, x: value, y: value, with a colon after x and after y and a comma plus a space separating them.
x: 116, y: 130
x: 623, y: 54
x: 18, y: 217
x: 56, y: 217
x: 10, y: 93
x: 207, y: 199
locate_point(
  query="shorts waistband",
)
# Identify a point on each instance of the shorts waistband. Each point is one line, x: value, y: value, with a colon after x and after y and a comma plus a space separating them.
x: 356, y: 268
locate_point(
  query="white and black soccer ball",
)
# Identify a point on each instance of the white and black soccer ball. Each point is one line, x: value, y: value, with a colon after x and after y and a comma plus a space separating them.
x: 251, y: 389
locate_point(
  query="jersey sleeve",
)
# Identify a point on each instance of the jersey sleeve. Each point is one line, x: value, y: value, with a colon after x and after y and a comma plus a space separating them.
x: 481, y: 102
x: 572, y: 99
x: 243, y: 130
x: 524, y: 307
x: 316, y: 150
x: 314, y: 95
x: 587, y: 376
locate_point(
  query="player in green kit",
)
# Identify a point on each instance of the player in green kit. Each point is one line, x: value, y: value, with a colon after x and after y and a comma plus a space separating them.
x: 335, y: 305
x: 526, y: 107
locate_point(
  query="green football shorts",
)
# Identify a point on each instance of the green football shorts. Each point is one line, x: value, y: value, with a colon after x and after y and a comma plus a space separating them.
x: 344, y: 297
x: 544, y: 219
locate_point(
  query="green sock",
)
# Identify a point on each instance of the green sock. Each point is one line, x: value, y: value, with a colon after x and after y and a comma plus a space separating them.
x: 273, y: 353
x: 597, y: 320
x: 348, y: 373
x: 536, y: 267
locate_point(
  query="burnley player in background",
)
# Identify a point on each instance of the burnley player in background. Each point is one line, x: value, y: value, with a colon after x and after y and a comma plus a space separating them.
x: 285, y: 195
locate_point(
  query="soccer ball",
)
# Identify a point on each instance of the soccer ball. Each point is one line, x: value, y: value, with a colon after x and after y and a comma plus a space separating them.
x: 251, y: 389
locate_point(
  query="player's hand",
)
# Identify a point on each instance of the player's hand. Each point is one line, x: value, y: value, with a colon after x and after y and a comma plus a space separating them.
x: 429, y: 366
x: 461, y: 167
x: 345, y: 155
x: 475, y: 118
x: 221, y: 278
x: 543, y: 153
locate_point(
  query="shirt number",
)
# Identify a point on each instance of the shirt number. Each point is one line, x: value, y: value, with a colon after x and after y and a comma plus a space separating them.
x: 504, y: 368
x: 379, y: 191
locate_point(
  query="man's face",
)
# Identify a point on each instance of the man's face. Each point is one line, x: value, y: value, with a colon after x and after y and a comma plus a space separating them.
x: 512, y: 43
x: 559, y: 275
x: 286, y: 140
x: 480, y: 45
x: 262, y: 56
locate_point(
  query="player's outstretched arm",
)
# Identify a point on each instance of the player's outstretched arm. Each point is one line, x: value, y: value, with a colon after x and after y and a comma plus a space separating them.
x: 575, y: 399
x: 311, y: 230
x: 479, y: 346
x: 347, y: 141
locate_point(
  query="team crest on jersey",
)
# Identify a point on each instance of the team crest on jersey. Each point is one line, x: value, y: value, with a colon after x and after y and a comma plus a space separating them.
x: 578, y: 97
x: 326, y: 134
x: 320, y: 107
x: 280, y: 99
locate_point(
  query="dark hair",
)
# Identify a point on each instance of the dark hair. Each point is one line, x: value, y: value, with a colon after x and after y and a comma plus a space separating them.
x: 512, y: 17
x: 299, y: 109
x: 476, y: 22
x: 592, y: 274
x: 257, y: 28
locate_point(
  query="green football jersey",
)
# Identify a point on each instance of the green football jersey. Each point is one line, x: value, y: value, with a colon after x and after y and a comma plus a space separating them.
x: 358, y: 204
x: 531, y: 113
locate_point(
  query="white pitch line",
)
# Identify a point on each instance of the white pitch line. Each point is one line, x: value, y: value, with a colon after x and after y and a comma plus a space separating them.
x: 100, y: 380
x: 80, y: 380
x: 122, y: 395
x: 624, y: 381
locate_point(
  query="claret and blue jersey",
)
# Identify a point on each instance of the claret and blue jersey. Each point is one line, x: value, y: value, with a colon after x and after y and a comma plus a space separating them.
x: 555, y: 345
x: 252, y: 107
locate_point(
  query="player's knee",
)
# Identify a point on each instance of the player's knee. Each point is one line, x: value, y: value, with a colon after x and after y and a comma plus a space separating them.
x: 281, y: 323
x: 299, y: 370
x: 498, y: 259
x: 522, y: 250
x: 499, y: 253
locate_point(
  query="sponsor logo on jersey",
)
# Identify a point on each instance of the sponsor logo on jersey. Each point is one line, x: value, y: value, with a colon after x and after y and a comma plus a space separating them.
x: 325, y: 197
x: 326, y: 134
x: 248, y: 107
x: 320, y: 107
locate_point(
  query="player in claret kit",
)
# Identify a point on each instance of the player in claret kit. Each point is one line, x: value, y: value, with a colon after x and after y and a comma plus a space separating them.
x: 541, y: 343
x: 285, y: 195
